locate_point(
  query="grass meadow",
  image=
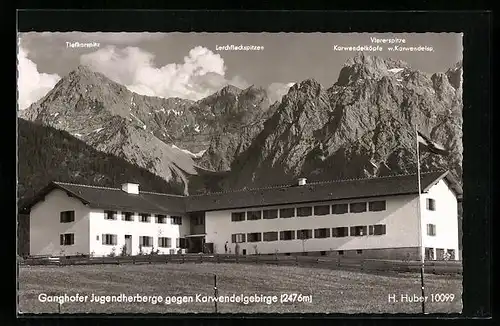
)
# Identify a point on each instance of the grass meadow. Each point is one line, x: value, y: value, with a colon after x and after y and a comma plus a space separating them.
x: 330, y: 291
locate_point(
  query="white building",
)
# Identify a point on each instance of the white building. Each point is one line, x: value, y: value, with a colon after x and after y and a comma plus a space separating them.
x: 372, y: 217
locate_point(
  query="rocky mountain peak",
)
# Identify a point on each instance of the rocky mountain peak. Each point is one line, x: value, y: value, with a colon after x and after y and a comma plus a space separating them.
x: 455, y: 75
x: 254, y: 90
x: 83, y: 69
x: 363, y: 66
x: 85, y: 74
x: 360, y: 127
x: 306, y: 87
x: 229, y: 90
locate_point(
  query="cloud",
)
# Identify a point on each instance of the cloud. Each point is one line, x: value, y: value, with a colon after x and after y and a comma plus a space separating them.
x: 201, y: 74
x: 32, y: 85
x: 276, y: 91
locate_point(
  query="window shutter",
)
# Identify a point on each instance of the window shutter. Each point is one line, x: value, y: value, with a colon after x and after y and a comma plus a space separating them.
x: 104, y: 236
x: 61, y: 239
x: 233, y: 238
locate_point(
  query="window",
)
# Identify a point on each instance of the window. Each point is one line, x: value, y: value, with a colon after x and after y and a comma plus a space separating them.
x: 109, y: 239
x: 451, y: 254
x: 378, y: 229
x: 358, y: 207
x: 238, y: 238
x: 429, y: 253
x: 376, y: 206
x: 176, y: 220
x: 431, y: 204
x: 270, y: 214
x: 287, y: 212
x: 270, y: 236
x: 340, y: 208
x: 109, y: 215
x: 322, y: 233
x: 340, y: 232
x: 198, y: 220
x: 322, y: 210
x: 304, y: 211
x: 67, y: 239
x: 254, y: 237
x: 431, y: 229
x: 341, y: 252
x: 237, y: 216
x: 67, y: 216
x: 304, y: 234
x: 146, y: 241
x: 128, y: 216
x: 180, y: 243
x: 254, y: 215
x: 161, y: 219
x: 144, y: 218
x: 359, y: 251
x: 287, y: 235
x: 440, y: 254
x: 164, y: 242
x: 358, y: 231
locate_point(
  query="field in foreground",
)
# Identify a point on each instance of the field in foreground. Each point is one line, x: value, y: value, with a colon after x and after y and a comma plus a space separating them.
x: 331, y: 291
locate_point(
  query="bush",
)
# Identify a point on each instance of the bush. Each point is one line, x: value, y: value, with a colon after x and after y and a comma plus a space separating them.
x: 112, y: 253
x: 154, y: 252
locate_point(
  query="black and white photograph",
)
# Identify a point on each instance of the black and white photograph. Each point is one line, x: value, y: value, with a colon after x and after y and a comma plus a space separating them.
x: 239, y: 173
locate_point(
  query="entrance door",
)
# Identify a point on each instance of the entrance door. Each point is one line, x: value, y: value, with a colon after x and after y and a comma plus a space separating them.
x: 128, y: 244
x: 196, y: 244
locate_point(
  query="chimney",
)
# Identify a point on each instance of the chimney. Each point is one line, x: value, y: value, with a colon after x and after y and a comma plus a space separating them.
x: 302, y: 181
x: 131, y: 188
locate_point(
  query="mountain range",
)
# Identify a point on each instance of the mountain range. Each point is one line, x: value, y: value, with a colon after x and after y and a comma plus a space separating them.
x: 361, y: 125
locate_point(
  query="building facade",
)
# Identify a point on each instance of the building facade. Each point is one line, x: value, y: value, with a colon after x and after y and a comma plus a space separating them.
x: 62, y: 225
x: 376, y: 227
x: 372, y: 218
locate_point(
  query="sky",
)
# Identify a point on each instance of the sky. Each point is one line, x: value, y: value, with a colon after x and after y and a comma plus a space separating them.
x: 193, y: 66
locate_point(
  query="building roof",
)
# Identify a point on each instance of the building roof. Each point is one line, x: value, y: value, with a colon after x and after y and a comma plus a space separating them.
x: 116, y: 199
x: 319, y: 191
x: 149, y: 202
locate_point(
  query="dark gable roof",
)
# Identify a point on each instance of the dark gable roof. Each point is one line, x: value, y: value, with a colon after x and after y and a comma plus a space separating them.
x: 116, y: 199
x: 313, y: 192
x: 148, y: 202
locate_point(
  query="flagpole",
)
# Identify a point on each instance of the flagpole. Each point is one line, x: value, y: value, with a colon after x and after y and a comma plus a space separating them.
x: 421, y: 236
